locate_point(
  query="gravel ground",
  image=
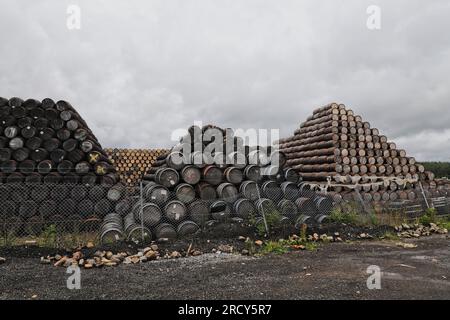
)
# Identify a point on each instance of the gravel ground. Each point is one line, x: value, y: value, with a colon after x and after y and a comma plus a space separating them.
x: 335, y: 271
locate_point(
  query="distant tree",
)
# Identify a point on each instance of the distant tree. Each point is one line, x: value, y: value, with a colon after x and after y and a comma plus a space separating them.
x: 440, y: 169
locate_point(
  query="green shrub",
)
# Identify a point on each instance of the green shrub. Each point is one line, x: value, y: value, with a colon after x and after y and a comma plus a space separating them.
x: 348, y: 217
x: 429, y: 217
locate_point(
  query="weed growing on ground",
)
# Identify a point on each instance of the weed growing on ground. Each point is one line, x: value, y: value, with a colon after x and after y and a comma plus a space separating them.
x: 344, y: 216
x: 389, y: 235
x: 429, y: 217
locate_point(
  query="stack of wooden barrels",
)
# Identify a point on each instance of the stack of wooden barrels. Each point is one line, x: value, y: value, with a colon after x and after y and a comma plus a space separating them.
x: 132, y: 164
x: 47, y: 141
x: 28, y: 209
x: 205, y: 189
x: 336, y: 147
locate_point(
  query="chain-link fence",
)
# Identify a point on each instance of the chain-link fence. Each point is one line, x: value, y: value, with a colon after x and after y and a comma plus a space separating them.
x: 64, y: 215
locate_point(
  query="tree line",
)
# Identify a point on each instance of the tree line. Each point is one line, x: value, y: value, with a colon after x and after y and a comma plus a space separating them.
x: 440, y: 169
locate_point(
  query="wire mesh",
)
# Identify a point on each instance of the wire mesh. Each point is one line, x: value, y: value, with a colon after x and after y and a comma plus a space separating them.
x: 62, y: 215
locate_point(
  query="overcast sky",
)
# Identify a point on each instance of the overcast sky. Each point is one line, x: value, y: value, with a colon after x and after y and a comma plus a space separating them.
x: 137, y: 70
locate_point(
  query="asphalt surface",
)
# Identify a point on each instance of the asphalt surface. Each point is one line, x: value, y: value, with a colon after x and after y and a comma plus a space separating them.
x: 335, y: 271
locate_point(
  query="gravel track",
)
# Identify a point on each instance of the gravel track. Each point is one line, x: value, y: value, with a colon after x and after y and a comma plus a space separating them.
x: 335, y: 271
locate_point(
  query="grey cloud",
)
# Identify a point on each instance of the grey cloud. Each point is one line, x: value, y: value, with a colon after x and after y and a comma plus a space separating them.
x: 137, y: 70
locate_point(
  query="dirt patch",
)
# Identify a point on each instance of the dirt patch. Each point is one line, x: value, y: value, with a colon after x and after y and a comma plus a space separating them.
x: 334, y: 271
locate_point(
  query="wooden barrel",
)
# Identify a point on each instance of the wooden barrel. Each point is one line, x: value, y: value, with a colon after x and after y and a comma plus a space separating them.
x: 56, y: 124
x: 80, y: 135
x: 271, y: 190
x: 123, y: 206
x: 111, y: 232
x: 165, y: 231
x: 8, y: 166
x: 175, y: 211
x: 212, y: 175
x: 87, y: 146
x: 288, y: 208
x: 52, y: 177
x: 20, y: 154
x: 137, y: 234
x: 273, y: 173
x: 265, y: 206
x: 227, y: 192
x: 33, y: 143
x: 72, y: 125
x: 244, y: 208
x: 89, y: 178
x: 15, y: 177
x: 26, y: 167
x: 51, y: 144
x: 11, y: 132
x: 187, y: 228
x: 175, y: 160
x: 63, y: 134
x: 82, y: 168
x: 156, y: 193
x: 233, y: 175
x: 250, y: 190
x: 28, y: 132
x: 16, y: 143
x: 306, y: 206
x: 39, y: 154
x: 290, y: 190
x: 291, y: 175
x: 70, y: 145
x: 167, y: 177
x: 5, y: 154
x: 185, y: 192
x: 64, y: 167
x: 324, y: 205
x: 199, y: 212
x: 115, y: 193
x: 206, y: 191
x: 75, y: 156
x: 24, y: 122
x: 151, y: 213
x: 191, y: 175
x: 220, y: 210
x: 252, y: 173
x: 46, y: 133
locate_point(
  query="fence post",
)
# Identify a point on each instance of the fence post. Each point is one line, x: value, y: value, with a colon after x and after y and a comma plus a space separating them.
x: 141, y: 201
x: 366, y: 210
x: 423, y: 194
x: 262, y: 209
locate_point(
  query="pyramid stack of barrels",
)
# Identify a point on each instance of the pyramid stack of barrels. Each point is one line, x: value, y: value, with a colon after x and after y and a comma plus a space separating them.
x: 52, y: 168
x: 335, y: 143
x: 132, y: 164
x: 181, y: 198
x: 49, y: 142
